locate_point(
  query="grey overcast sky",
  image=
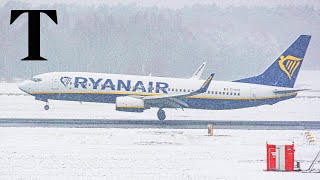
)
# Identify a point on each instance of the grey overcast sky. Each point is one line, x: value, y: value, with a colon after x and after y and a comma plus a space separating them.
x: 163, y: 37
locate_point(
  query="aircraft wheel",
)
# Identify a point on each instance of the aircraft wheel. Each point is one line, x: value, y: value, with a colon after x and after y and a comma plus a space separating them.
x: 46, y: 107
x: 161, y: 115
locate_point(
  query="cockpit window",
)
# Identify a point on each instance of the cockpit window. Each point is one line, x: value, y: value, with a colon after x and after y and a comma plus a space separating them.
x: 36, y: 79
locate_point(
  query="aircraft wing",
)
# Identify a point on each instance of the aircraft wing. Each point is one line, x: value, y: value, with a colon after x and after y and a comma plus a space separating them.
x: 177, y: 100
x: 284, y: 91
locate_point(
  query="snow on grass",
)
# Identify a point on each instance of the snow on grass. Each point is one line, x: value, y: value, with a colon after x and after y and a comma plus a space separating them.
x: 63, y: 153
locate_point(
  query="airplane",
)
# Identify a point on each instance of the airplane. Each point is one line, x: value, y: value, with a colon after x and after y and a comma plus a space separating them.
x: 133, y: 93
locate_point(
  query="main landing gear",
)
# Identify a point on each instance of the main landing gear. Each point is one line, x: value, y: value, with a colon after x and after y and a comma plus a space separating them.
x: 161, y: 114
x: 46, y: 107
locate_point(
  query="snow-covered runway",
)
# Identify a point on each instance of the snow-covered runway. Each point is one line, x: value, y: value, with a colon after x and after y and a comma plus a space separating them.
x: 64, y: 153
x: 168, y: 124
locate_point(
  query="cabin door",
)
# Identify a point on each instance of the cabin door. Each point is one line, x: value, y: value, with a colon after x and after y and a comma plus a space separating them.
x: 55, y: 83
x: 253, y: 95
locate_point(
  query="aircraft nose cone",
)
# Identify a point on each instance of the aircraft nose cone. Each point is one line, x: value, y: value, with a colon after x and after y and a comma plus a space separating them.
x: 24, y: 87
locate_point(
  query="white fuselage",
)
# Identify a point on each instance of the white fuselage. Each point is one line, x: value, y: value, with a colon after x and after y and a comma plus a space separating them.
x: 100, y: 87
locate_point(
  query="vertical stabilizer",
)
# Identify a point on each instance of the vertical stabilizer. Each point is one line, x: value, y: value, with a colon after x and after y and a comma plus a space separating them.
x: 284, y: 71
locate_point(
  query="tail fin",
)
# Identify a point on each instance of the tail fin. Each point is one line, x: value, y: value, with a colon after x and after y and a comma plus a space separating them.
x: 284, y: 71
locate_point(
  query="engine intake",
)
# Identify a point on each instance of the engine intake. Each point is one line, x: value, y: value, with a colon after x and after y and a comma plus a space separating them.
x: 129, y: 104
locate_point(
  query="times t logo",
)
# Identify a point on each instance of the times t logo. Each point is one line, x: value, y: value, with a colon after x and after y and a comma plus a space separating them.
x: 34, y: 30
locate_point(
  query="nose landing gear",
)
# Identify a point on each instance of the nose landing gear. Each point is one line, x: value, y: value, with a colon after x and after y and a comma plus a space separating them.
x: 161, y: 114
x: 46, y: 107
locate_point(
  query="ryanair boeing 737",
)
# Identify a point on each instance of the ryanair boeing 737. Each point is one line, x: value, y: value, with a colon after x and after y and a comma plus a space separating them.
x: 138, y: 93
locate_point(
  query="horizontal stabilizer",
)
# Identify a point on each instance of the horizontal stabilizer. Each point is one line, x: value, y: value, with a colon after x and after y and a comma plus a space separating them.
x: 289, y: 91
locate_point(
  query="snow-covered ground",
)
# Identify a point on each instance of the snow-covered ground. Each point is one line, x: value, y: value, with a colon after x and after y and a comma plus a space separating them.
x: 62, y: 153
x: 89, y: 153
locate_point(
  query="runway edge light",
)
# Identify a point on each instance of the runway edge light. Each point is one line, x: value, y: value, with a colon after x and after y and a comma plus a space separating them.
x: 210, y: 129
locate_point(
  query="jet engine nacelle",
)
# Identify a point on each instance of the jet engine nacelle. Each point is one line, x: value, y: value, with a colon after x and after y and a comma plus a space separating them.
x: 129, y: 104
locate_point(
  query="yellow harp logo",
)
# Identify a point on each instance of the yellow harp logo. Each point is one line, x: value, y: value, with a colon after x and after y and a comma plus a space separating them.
x: 289, y: 64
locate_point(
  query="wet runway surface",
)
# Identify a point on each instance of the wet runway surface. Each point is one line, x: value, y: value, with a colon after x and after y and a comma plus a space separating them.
x: 167, y: 124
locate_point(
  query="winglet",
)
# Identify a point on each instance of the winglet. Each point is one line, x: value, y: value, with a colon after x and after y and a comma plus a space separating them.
x: 205, y: 85
x: 202, y: 89
x: 197, y: 74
